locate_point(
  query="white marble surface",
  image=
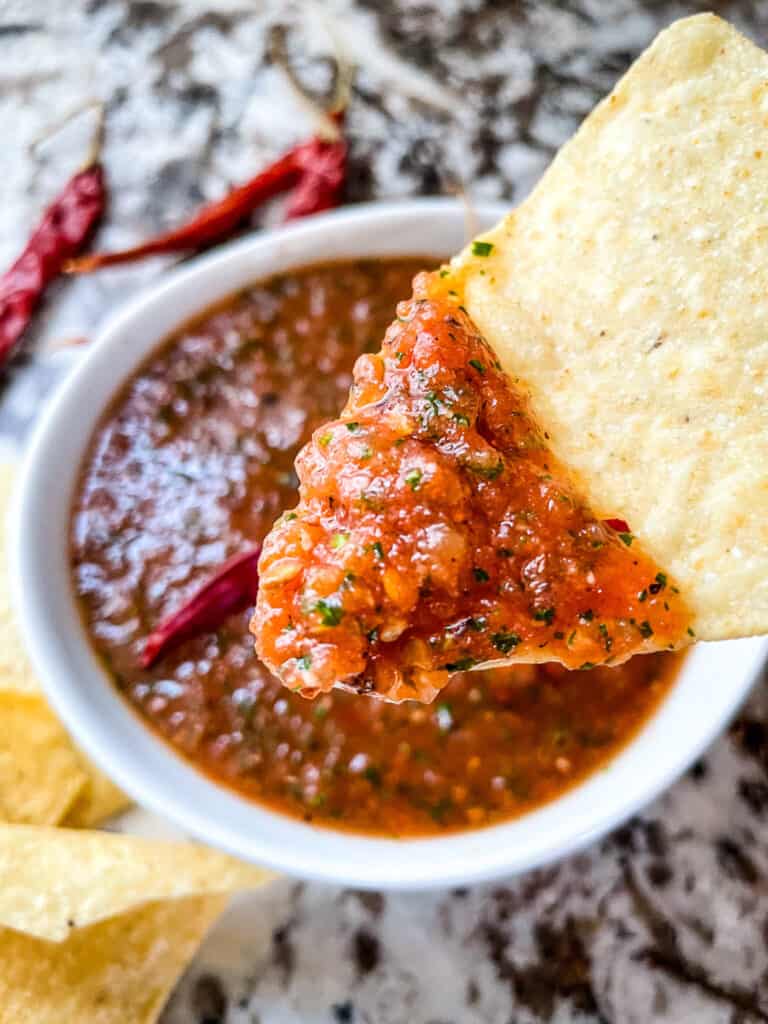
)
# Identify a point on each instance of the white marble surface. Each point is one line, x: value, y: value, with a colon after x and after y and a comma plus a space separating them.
x: 667, y: 920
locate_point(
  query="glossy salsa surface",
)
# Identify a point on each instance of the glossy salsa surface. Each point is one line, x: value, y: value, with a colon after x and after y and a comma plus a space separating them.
x: 192, y: 464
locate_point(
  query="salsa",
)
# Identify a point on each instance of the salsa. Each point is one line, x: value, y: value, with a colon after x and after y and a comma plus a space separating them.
x: 436, y: 532
x: 192, y: 465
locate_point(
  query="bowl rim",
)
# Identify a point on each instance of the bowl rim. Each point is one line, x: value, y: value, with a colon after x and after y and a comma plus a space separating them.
x: 159, y: 778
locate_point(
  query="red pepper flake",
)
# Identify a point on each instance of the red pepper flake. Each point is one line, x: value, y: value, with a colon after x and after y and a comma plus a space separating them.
x: 63, y: 232
x: 619, y: 525
x: 232, y: 589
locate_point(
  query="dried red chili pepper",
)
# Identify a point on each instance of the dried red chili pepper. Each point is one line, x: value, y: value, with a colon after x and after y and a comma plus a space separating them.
x: 214, y: 222
x: 66, y: 226
x: 322, y: 181
x: 619, y: 525
x: 230, y: 590
x: 316, y: 168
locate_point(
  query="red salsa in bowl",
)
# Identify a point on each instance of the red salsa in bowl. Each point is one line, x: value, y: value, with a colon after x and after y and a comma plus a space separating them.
x: 191, y: 465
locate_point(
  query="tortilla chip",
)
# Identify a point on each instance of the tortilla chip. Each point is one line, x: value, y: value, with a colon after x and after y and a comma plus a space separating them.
x: 630, y: 292
x: 15, y: 669
x: 99, y: 799
x: 40, y: 773
x: 119, y: 971
x: 54, y: 880
x: 37, y: 751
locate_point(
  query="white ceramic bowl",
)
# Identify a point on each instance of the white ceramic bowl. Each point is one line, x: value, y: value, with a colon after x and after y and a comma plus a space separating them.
x: 715, y: 679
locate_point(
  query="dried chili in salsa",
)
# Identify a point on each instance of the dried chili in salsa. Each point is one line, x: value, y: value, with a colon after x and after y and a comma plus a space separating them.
x: 191, y: 466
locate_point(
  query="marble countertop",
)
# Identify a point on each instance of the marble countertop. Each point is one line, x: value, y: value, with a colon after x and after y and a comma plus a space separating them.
x: 667, y: 919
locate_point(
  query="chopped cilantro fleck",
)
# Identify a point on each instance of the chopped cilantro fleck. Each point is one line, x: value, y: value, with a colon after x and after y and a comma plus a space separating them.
x: 373, y: 775
x: 586, y: 665
x: 505, y: 642
x: 607, y: 639
x: 571, y: 638
x: 642, y: 595
x: 444, y: 272
x: 441, y: 808
x: 482, y: 248
x: 627, y: 538
x: 399, y: 356
x: 477, y: 365
x: 645, y: 629
x: 480, y: 575
x: 353, y: 426
x: 338, y: 540
x: 488, y: 472
x: 544, y: 615
x: 658, y: 584
x: 461, y: 419
x: 586, y: 616
x: 690, y: 632
x: 331, y: 613
x: 377, y: 549
x: 462, y: 665
x: 304, y: 662
x: 413, y: 479
x: 433, y: 402
x: 478, y: 624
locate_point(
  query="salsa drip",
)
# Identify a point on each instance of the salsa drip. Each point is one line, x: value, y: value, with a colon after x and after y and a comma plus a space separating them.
x: 436, y: 532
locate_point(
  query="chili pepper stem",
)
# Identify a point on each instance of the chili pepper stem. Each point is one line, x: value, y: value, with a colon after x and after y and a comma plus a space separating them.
x: 326, y: 119
x: 93, y: 154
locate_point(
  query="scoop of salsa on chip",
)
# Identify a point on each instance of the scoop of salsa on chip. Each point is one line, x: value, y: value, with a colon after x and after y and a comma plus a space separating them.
x: 561, y: 452
x: 436, y: 532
